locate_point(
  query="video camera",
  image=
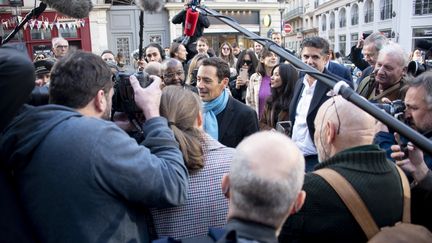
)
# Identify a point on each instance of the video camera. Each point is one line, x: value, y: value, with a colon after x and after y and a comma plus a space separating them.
x: 415, y: 68
x: 396, y: 109
x: 123, y: 98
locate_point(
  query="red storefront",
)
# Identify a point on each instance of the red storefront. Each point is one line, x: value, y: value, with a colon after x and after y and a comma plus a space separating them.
x: 37, y: 33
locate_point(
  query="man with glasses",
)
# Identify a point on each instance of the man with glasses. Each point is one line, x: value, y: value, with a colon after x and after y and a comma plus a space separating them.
x: 173, y: 74
x: 344, y: 145
x: 60, y: 47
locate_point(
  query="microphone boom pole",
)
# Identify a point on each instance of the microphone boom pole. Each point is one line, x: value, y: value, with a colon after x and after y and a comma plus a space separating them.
x: 338, y: 86
x: 33, y: 13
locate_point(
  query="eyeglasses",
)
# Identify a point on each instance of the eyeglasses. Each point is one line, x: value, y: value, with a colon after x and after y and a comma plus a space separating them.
x: 172, y: 75
x: 247, y: 62
x: 337, y: 115
x: 60, y: 46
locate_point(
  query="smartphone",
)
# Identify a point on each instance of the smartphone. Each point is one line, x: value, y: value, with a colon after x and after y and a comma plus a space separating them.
x: 284, y: 127
x: 244, y: 75
x: 403, y: 146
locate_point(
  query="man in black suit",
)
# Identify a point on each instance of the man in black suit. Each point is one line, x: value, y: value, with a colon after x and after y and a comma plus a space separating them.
x: 339, y: 70
x: 309, y: 95
x: 225, y: 118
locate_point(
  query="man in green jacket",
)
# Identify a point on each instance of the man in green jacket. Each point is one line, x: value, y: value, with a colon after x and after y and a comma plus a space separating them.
x: 344, y: 144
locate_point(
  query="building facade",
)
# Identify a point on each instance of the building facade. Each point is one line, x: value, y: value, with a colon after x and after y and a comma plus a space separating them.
x: 407, y: 22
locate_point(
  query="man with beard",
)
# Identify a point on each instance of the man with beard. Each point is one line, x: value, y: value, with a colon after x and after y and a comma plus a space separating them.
x: 81, y: 178
x: 418, y: 112
x: 344, y: 145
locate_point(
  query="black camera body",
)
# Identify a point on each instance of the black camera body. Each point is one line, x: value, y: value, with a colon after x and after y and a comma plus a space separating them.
x: 396, y: 109
x: 123, y: 98
x: 416, y: 68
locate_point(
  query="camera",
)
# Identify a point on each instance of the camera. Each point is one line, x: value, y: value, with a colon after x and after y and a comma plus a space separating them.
x: 396, y: 109
x: 123, y: 98
x: 416, y: 68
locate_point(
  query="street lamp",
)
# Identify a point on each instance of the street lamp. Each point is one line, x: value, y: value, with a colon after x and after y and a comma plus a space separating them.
x: 282, y: 5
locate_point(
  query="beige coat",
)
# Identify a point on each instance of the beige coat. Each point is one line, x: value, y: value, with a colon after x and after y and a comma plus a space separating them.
x: 252, y: 91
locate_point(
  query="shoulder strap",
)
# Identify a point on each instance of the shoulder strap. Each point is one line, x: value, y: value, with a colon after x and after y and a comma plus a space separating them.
x: 351, y: 199
x: 406, y: 216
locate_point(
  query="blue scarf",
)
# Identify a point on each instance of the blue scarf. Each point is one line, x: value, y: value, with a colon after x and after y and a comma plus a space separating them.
x: 211, y: 110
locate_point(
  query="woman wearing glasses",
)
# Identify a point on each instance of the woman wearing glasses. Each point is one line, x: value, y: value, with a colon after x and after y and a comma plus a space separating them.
x: 226, y: 53
x: 246, y: 66
x: 283, y: 79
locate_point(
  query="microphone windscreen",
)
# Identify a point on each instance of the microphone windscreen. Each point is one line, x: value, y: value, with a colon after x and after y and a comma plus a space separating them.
x: 150, y: 5
x: 72, y: 8
x: 190, y: 22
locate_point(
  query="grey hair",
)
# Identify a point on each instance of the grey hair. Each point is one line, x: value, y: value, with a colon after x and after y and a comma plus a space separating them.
x: 56, y: 40
x: 396, y: 50
x: 377, y: 39
x: 423, y: 80
x: 263, y: 199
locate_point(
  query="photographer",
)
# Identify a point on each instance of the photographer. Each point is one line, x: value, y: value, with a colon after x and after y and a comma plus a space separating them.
x: 418, y: 112
x: 81, y: 178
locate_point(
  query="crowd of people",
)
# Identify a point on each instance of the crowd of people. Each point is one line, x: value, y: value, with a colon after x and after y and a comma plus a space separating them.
x: 212, y: 163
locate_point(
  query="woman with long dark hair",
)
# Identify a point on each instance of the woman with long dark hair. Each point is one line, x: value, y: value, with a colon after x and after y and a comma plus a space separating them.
x: 283, y: 80
x: 246, y: 64
x: 259, y: 83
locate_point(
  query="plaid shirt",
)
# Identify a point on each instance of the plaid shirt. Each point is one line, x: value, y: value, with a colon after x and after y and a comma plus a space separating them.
x: 206, y: 205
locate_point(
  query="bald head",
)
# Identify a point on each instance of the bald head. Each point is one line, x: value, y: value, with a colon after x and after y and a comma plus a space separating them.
x: 341, y: 125
x: 154, y: 68
x: 266, y: 177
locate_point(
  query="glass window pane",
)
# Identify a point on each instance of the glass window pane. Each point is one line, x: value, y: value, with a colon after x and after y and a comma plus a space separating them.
x: 68, y: 32
x: 41, y: 34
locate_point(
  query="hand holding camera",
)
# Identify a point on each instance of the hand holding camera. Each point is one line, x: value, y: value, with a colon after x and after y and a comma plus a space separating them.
x: 410, y: 159
x: 147, y: 99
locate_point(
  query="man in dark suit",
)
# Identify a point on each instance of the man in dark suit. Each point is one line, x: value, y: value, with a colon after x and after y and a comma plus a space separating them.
x: 309, y: 94
x: 225, y: 118
x: 339, y: 70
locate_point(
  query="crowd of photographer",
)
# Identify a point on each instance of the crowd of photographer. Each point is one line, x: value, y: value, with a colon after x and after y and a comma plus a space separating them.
x: 173, y: 148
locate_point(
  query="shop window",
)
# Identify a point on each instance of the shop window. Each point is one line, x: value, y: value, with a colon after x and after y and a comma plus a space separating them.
x: 68, y: 32
x: 40, y: 34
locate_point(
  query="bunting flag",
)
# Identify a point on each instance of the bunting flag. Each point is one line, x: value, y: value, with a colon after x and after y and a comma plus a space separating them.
x: 44, y: 23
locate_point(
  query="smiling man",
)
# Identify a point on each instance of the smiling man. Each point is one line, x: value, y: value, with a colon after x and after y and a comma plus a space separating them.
x: 309, y: 95
x: 225, y: 118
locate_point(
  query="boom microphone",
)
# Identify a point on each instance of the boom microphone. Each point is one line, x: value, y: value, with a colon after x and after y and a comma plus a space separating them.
x: 190, y: 24
x: 150, y: 5
x: 72, y: 8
